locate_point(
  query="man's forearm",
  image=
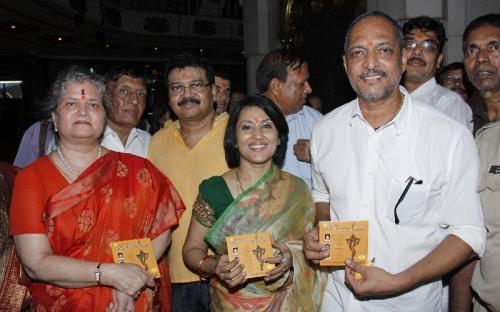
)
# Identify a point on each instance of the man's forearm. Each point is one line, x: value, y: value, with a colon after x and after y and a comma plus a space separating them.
x: 460, y: 291
x: 447, y: 256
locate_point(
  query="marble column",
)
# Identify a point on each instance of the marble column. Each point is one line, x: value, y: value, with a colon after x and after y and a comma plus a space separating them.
x: 261, y: 26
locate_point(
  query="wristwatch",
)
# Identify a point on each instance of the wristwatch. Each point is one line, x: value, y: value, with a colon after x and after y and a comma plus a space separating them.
x: 97, y: 274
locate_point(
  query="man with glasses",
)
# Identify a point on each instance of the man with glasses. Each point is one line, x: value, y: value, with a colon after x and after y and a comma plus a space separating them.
x: 222, y: 92
x: 188, y: 151
x: 424, y: 40
x: 127, y: 94
x: 407, y: 169
x: 453, y: 77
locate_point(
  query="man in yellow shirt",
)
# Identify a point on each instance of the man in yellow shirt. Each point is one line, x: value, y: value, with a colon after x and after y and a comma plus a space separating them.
x: 188, y: 151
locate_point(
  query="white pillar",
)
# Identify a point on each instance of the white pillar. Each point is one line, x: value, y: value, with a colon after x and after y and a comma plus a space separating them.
x: 454, y: 14
x: 260, y: 34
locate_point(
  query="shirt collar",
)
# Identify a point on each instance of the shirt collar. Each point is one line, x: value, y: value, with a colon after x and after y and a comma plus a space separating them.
x: 487, y: 126
x: 296, y: 115
x: 425, y: 88
x: 132, y: 135
x: 400, y: 121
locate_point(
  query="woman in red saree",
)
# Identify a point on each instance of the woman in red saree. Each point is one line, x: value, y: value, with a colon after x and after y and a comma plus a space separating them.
x: 69, y: 206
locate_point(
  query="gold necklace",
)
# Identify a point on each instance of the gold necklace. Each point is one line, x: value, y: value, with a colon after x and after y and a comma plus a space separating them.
x: 239, y: 186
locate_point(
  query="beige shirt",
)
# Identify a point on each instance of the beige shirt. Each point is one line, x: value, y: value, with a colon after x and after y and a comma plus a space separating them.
x: 186, y: 168
x: 486, y: 278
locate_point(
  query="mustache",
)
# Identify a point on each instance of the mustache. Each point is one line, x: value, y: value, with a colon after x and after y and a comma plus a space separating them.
x: 188, y: 100
x: 417, y: 58
x: 372, y: 72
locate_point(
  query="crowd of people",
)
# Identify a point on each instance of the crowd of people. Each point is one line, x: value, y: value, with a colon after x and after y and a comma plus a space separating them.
x: 402, y: 156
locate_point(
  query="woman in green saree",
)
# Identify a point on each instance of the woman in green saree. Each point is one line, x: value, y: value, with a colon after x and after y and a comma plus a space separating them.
x: 255, y: 196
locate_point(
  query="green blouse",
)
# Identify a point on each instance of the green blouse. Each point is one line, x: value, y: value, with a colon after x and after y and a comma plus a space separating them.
x: 213, y: 199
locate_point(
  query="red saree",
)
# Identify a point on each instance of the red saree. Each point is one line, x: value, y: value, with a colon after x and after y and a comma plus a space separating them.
x: 119, y: 197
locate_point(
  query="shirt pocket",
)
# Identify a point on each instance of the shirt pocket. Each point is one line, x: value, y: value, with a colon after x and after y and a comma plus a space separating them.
x: 490, y: 200
x: 412, y: 207
x: 493, y: 182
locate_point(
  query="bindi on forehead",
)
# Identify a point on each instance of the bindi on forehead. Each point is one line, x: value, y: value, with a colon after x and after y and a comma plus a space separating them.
x: 82, y: 94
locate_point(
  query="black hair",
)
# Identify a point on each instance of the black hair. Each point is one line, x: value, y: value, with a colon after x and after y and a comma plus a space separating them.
x: 276, y: 65
x: 395, y: 25
x: 425, y: 23
x: 271, y: 110
x: 222, y: 74
x: 183, y: 60
x: 119, y: 70
x: 451, y: 66
x: 489, y: 19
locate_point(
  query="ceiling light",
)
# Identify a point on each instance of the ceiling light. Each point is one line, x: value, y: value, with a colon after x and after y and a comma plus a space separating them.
x: 11, y: 81
x: 12, y: 26
x: 59, y: 38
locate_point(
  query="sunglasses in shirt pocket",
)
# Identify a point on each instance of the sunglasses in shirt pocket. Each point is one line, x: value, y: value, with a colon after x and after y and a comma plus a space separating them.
x: 412, y: 205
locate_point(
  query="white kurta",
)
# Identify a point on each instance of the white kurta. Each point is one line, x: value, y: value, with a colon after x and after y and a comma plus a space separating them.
x: 362, y: 172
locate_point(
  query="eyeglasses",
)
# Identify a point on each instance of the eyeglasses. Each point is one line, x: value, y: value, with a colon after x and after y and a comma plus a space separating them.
x: 426, y: 45
x: 196, y: 86
x: 452, y: 81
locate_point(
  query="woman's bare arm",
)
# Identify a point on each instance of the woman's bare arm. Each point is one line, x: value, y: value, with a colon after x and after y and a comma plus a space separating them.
x: 41, y: 264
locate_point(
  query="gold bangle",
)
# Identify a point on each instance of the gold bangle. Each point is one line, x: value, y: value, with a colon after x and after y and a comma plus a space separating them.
x: 200, y: 271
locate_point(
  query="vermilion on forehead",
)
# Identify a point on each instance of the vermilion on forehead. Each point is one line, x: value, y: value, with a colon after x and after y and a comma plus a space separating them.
x: 372, y: 28
x: 257, y: 120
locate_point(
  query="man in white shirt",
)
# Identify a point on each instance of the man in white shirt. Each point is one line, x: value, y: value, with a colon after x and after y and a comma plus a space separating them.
x: 403, y: 166
x: 282, y: 77
x: 127, y: 95
x: 424, y: 40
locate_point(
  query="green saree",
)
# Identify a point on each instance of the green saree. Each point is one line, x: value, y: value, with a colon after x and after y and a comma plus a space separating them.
x: 279, y: 203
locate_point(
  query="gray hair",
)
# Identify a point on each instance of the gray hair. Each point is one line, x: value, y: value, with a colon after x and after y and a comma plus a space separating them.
x: 398, y: 34
x: 74, y: 74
